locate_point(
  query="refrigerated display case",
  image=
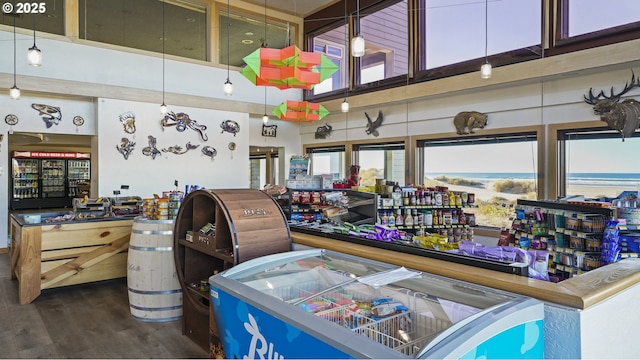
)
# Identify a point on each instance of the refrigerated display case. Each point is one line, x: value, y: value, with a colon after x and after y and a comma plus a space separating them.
x: 46, y: 179
x: 324, y: 304
x: 79, y: 172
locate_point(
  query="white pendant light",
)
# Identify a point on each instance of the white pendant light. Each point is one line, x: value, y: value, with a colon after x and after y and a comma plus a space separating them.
x: 14, y: 92
x: 485, y: 69
x: 34, y: 55
x: 357, y: 42
x: 163, y: 107
x: 265, y: 119
x: 345, y: 106
x: 228, y: 86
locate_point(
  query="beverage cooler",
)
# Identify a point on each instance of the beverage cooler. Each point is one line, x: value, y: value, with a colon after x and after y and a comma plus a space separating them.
x: 324, y: 304
x: 46, y: 179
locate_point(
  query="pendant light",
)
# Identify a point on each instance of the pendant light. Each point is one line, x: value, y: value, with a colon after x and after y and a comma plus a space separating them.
x: 34, y: 55
x: 228, y: 86
x: 163, y: 107
x: 357, y: 43
x: 485, y: 69
x: 14, y: 92
x: 345, y: 104
x: 265, y: 117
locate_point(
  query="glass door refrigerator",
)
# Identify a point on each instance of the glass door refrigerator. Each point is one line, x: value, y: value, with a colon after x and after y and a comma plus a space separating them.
x: 40, y: 179
x: 79, y: 172
x: 325, y: 304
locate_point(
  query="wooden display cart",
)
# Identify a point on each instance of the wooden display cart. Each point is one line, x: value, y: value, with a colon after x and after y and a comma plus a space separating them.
x: 49, y: 255
x: 242, y: 224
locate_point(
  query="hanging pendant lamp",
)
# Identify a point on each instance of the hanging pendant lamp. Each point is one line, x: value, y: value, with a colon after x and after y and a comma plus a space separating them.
x: 163, y: 107
x: 485, y: 69
x: 228, y: 86
x: 345, y: 104
x: 14, y: 92
x: 34, y: 55
x: 357, y: 42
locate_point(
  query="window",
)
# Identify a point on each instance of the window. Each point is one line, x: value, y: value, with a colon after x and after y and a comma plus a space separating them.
x: 386, y: 34
x: 51, y: 21
x: 139, y: 24
x: 454, y: 30
x: 498, y: 170
x: 263, y: 167
x: 332, y: 45
x: 380, y: 161
x: 590, y: 16
x: 248, y: 34
x: 328, y: 160
x: 597, y: 163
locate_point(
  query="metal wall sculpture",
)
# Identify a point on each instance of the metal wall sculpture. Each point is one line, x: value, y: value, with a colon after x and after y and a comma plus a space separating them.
x: 128, y: 120
x: 230, y: 126
x: 373, y: 125
x: 182, y: 121
x: 269, y: 130
x: 151, y: 150
x: 126, y: 147
x: 178, y: 150
x: 323, y: 131
x: 624, y: 117
x: 466, y: 121
x: 52, y: 114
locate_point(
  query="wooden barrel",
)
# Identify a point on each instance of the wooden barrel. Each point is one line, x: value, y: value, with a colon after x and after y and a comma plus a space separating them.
x: 154, y: 290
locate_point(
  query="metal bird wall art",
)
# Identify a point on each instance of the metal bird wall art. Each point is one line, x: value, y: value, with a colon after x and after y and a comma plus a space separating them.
x: 372, y: 126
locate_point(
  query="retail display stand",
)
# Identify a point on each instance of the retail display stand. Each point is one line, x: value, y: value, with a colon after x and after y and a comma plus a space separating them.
x: 215, y: 230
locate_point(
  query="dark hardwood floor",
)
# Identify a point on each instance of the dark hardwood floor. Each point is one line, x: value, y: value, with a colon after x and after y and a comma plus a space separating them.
x: 83, y: 321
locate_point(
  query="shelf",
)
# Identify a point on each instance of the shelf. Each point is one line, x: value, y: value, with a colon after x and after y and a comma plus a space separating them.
x: 195, y: 246
x: 425, y: 207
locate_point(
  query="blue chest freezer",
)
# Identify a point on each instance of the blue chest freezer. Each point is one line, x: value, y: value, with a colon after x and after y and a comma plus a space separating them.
x: 325, y: 304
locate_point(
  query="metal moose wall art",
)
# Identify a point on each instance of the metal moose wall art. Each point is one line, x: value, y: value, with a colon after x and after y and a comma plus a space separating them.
x: 622, y: 116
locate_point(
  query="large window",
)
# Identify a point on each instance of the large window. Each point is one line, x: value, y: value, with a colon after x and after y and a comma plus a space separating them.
x: 328, y: 160
x: 332, y: 45
x: 498, y: 170
x: 51, y: 21
x: 590, y: 16
x: 597, y: 163
x: 386, y: 34
x: 248, y: 32
x: 139, y: 24
x: 454, y: 30
x: 380, y: 161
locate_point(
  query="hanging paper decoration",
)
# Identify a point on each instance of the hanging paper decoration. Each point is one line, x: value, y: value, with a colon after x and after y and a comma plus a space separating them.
x: 300, y: 111
x: 287, y: 68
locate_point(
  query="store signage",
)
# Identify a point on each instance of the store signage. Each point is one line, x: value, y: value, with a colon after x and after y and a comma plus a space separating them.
x: 255, y: 212
x: 50, y: 155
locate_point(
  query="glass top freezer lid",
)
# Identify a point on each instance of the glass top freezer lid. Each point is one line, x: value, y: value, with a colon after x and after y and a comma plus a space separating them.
x: 402, y: 308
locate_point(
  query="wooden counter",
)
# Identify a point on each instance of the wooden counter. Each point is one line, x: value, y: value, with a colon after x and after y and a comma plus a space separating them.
x: 579, y: 292
x: 49, y: 255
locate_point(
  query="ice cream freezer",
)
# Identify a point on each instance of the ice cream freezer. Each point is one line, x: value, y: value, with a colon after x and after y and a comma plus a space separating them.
x: 325, y: 304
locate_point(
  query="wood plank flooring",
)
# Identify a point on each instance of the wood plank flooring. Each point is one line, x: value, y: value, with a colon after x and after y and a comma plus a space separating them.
x: 83, y: 321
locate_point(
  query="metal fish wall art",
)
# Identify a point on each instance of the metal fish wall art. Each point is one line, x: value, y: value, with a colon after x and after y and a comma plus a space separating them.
x: 128, y: 120
x: 51, y: 115
x: 178, y: 150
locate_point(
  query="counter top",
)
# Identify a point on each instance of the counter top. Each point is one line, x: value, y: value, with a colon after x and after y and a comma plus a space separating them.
x: 579, y: 292
x: 19, y: 218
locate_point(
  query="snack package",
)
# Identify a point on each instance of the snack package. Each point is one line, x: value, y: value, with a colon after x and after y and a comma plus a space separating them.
x: 610, y: 247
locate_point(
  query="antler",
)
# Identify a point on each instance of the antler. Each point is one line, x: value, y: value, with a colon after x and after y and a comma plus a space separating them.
x: 592, y: 99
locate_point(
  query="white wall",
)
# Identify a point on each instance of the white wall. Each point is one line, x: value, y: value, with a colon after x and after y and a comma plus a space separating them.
x: 136, y: 75
x: 145, y: 175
